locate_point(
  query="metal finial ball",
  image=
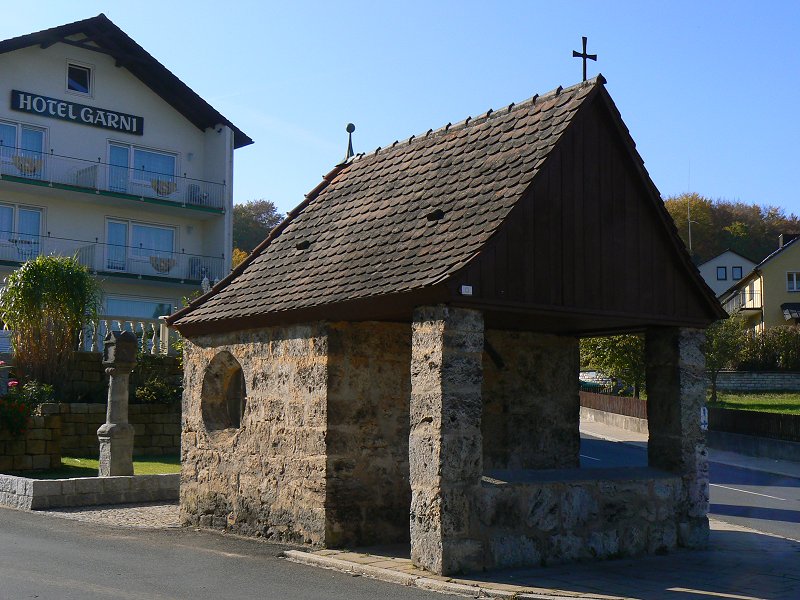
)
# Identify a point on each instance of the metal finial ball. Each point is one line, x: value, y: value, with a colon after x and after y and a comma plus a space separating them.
x: 350, y: 128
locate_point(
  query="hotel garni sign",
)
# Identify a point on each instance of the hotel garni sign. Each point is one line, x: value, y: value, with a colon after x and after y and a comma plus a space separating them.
x: 77, y: 113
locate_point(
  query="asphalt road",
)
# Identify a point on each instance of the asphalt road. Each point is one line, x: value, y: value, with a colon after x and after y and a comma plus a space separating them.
x: 50, y: 558
x: 755, y: 499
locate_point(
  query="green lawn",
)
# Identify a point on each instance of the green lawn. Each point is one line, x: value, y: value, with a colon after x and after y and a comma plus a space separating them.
x: 87, y: 467
x: 777, y: 402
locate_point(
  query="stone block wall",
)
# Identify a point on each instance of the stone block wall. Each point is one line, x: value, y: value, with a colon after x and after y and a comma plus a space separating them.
x: 267, y: 477
x: 88, y: 382
x: 368, y: 492
x: 757, y: 381
x: 565, y: 519
x: 157, y: 428
x: 530, y: 401
x: 36, y: 449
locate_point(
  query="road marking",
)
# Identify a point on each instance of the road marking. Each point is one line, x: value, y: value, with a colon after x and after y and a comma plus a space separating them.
x: 589, y: 457
x: 715, y: 594
x: 746, y: 492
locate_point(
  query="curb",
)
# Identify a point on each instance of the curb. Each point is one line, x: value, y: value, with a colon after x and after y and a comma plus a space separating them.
x: 425, y: 583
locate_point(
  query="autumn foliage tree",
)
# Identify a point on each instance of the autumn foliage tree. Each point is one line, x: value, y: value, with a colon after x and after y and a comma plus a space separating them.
x: 719, y: 225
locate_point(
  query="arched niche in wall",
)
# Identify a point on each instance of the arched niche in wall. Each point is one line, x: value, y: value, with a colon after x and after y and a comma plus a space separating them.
x: 223, y: 395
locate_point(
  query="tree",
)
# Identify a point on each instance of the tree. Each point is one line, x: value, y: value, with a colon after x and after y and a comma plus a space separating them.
x: 45, y: 304
x: 725, y: 340
x: 617, y: 356
x: 252, y: 222
x: 719, y: 225
x: 238, y: 257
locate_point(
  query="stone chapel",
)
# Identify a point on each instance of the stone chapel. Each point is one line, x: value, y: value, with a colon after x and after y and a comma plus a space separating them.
x: 398, y: 361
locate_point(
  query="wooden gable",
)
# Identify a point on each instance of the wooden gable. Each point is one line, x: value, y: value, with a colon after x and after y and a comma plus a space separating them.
x: 589, y: 248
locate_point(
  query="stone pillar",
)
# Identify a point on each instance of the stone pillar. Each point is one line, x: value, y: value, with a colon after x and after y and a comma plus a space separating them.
x: 116, y: 435
x: 676, y: 392
x: 445, y: 447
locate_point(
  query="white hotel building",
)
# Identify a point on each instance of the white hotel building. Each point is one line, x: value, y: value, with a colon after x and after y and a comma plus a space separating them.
x: 107, y: 156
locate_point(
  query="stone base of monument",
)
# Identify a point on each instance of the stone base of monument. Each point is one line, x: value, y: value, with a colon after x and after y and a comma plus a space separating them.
x: 116, y: 449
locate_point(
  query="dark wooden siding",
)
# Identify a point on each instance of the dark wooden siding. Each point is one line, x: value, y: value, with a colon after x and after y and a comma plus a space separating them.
x: 588, y: 237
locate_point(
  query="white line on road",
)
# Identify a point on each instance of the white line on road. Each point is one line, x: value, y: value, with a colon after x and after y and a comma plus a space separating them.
x: 589, y: 457
x: 746, y: 492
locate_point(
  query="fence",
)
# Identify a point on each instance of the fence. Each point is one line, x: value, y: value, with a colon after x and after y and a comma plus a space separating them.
x: 743, y: 422
x: 749, y: 422
x: 621, y: 405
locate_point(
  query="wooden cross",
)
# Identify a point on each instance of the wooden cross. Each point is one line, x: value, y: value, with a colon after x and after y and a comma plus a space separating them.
x: 584, y: 56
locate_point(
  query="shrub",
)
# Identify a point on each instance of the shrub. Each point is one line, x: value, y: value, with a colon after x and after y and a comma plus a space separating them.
x: 45, y: 303
x: 20, y: 403
x: 157, y: 390
x: 774, y: 349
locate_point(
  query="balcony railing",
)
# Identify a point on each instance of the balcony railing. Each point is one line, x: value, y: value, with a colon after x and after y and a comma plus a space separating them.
x: 99, y: 176
x: 152, y: 335
x: 743, y: 300
x: 114, y: 259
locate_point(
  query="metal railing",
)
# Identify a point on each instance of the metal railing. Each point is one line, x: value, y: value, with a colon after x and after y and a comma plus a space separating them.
x: 742, y: 300
x: 99, y: 176
x: 111, y: 258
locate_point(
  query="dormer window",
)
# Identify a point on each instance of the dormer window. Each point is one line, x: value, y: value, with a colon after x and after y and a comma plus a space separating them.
x: 79, y: 79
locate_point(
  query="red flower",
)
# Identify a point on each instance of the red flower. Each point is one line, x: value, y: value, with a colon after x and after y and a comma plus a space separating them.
x: 13, y: 383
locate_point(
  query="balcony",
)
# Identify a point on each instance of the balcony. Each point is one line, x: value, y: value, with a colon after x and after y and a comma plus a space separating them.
x: 743, y: 301
x: 110, y: 259
x: 95, y: 177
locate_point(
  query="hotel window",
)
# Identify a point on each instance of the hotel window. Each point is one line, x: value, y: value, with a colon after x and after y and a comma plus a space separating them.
x: 130, y: 308
x: 79, y: 79
x: 736, y: 273
x: 722, y: 273
x: 20, y: 232
x: 21, y: 148
x: 132, y: 165
x: 131, y: 241
x: 793, y: 282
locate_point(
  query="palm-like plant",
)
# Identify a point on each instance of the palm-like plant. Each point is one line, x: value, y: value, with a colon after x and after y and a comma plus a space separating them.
x: 45, y: 303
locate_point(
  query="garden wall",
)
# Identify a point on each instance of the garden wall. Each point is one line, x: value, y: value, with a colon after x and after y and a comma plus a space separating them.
x: 157, y: 428
x: 37, y: 448
x: 758, y: 381
x: 88, y: 381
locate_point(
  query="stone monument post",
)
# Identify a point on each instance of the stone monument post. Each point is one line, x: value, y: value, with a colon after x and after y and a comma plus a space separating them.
x: 116, y: 435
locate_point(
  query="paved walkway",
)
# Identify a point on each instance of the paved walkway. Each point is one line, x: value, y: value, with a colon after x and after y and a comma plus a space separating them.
x: 739, y: 564
x: 155, y: 515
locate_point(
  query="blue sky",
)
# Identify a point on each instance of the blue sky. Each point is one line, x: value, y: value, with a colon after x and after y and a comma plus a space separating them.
x: 708, y: 89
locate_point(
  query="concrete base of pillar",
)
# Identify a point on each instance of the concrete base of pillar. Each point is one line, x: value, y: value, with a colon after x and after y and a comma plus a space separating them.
x: 116, y: 449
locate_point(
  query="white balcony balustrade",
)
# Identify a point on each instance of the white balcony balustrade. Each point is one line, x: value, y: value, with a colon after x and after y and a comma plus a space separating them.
x: 95, y: 176
x: 113, y: 259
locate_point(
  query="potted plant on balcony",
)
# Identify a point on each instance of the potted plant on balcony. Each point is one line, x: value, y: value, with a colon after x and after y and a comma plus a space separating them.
x: 163, y: 187
x: 162, y: 264
x: 27, y: 165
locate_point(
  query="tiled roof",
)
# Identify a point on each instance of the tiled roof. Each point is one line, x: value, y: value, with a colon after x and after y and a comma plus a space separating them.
x: 399, y: 218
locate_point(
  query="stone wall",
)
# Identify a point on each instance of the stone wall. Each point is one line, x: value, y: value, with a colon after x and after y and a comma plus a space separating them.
x: 157, y: 428
x: 37, y: 494
x: 530, y: 401
x: 88, y: 382
x: 368, y: 492
x: 572, y: 516
x: 36, y: 449
x: 267, y: 477
x: 756, y: 381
